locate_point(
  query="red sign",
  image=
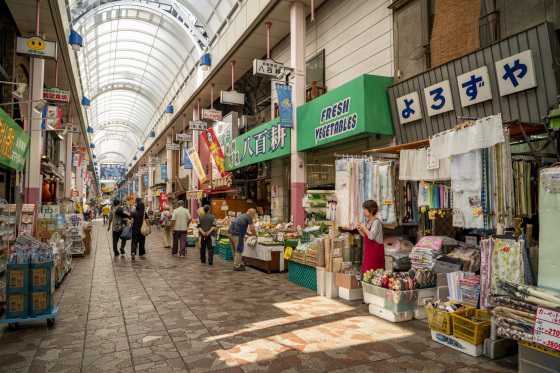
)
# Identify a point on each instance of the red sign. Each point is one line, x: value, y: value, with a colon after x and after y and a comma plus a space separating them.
x: 163, y: 200
x: 216, y: 151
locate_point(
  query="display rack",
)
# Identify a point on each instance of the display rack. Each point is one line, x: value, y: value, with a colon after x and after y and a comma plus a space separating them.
x: 27, y: 220
x: 73, y: 230
x: 318, y: 201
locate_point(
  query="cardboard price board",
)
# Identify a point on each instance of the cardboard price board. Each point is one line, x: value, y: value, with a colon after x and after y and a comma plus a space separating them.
x: 546, y: 330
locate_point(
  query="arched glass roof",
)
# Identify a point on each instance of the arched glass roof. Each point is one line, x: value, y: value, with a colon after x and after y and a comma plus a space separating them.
x: 134, y: 55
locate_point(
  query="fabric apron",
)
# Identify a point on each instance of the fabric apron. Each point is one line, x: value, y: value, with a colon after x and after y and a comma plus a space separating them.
x: 242, y: 233
x: 374, y: 253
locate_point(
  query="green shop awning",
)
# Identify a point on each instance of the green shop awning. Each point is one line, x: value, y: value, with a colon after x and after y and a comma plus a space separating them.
x: 265, y: 142
x: 357, y: 107
x: 14, y: 142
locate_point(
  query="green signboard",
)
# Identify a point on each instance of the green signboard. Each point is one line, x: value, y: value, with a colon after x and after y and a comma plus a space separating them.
x: 14, y: 142
x: 260, y: 144
x: 357, y: 107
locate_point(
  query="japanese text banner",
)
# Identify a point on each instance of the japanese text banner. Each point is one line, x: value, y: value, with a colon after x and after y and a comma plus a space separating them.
x: 211, y: 141
x: 113, y: 172
x: 195, y: 160
x: 14, y: 142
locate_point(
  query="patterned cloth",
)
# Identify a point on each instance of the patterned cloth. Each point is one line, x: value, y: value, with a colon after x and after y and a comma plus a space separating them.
x: 507, y: 263
x: 515, y: 304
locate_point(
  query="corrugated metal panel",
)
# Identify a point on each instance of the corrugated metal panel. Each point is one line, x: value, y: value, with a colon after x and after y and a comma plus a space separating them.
x: 528, y: 106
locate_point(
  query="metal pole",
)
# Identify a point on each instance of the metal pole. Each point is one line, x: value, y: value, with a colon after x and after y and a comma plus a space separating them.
x: 268, y: 25
x: 56, y: 73
x: 198, y: 102
x: 232, y: 76
x: 184, y: 122
x: 211, y: 96
x: 37, y: 18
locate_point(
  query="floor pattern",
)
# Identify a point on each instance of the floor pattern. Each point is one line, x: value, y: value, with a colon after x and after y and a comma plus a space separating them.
x: 162, y: 313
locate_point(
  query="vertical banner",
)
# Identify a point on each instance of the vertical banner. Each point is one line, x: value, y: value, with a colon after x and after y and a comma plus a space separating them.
x: 163, y: 200
x: 51, y: 115
x: 136, y: 186
x: 131, y: 199
x: 186, y: 160
x: 163, y: 171
x: 195, y: 160
x: 146, y: 181
x: 216, y: 151
x: 285, y: 108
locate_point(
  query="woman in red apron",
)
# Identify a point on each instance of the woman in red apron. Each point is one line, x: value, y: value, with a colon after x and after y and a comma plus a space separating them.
x: 372, y: 231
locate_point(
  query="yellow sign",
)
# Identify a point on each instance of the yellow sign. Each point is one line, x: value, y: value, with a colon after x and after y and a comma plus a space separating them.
x: 432, y: 215
x: 477, y: 211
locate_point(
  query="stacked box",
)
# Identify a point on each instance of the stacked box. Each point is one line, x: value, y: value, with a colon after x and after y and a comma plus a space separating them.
x: 17, y: 289
x: 41, y: 287
x: 17, y: 306
x: 298, y: 257
x: 40, y: 304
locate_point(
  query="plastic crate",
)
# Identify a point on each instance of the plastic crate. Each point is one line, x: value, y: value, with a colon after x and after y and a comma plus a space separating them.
x: 468, y: 330
x: 303, y: 275
x: 441, y: 321
x: 225, y: 252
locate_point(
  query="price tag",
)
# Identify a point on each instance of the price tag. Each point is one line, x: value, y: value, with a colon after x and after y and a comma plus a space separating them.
x: 387, y: 202
x: 546, y: 330
x: 477, y: 211
x: 432, y: 215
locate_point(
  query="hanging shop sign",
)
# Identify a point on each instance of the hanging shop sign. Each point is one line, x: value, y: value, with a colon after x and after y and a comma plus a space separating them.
x: 171, y: 146
x: 285, y: 108
x: 198, y: 125
x: 157, y: 160
x: 146, y: 181
x: 186, y: 160
x: 14, y: 142
x: 150, y: 164
x: 163, y: 200
x: 144, y: 170
x: 108, y: 187
x: 136, y: 185
x: 52, y: 115
x: 76, y: 159
x: 211, y: 114
x: 265, y: 142
x: 55, y: 94
x: 217, y: 154
x: 113, y: 172
x: 163, y: 168
x: 75, y: 149
x: 267, y: 68
x: 70, y: 127
x: 197, y: 165
x: 357, y: 107
x: 183, y: 137
x: 36, y: 47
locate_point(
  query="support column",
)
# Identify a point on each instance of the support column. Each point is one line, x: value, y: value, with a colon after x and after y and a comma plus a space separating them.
x: 194, y: 177
x: 68, y: 167
x: 150, y: 185
x: 33, y: 176
x: 298, y: 166
x: 140, y: 184
x: 170, y: 158
x: 80, y: 184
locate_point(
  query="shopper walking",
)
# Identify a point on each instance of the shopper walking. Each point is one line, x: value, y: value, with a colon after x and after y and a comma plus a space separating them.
x: 372, y: 231
x: 236, y: 233
x: 166, y: 219
x: 105, y: 211
x: 138, y: 240
x: 118, y: 219
x: 206, y: 226
x: 179, y: 227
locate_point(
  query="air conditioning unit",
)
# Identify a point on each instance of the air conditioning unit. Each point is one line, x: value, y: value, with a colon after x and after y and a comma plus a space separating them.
x: 248, y: 121
x: 232, y: 98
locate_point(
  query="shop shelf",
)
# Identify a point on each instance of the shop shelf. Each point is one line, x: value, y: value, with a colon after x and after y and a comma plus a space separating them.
x: 303, y: 275
x: 469, y: 330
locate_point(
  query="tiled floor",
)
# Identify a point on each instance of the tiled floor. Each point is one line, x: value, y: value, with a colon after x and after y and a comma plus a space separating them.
x: 162, y: 314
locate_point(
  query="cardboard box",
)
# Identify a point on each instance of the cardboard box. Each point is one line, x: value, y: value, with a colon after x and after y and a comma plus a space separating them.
x: 310, y: 261
x: 17, y: 281
x: 298, y: 257
x: 40, y: 304
x: 41, y: 280
x: 350, y: 294
x: 311, y: 254
x: 347, y: 281
x: 17, y: 306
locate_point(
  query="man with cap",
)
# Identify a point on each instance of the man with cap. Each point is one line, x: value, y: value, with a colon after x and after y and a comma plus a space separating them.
x: 206, y: 226
x: 179, y: 226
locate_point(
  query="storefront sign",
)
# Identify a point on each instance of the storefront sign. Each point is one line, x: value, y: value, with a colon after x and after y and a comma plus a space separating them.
x: 211, y: 114
x: 516, y: 73
x: 50, y: 209
x: 75, y: 149
x: 183, y: 137
x: 36, y: 47
x: 195, y: 160
x: 51, y: 115
x: 171, y: 146
x: 186, y: 160
x: 285, y: 109
x: 150, y: 164
x: 14, y: 142
x: 409, y: 108
x: 357, y: 107
x: 198, y: 125
x: 157, y: 160
x: 438, y: 98
x: 260, y: 144
x: 113, y: 172
x: 267, y: 68
x: 163, y: 168
x: 474, y: 87
x: 212, y: 142
x: 70, y: 127
x: 55, y: 94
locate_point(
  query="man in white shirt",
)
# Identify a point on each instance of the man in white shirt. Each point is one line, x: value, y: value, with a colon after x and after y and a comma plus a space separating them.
x: 179, y: 227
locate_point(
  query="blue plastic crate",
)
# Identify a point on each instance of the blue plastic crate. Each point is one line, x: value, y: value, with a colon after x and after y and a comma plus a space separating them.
x: 225, y: 252
x: 303, y: 275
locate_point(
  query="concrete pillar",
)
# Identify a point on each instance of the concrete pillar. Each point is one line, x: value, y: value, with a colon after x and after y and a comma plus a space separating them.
x: 194, y: 177
x: 140, y: 184
x: 298, y: 166
x: 33, y: 176
x: 68, y: 167
x: 150, y: 185
x: 170, y: 158
x: 80, y: 184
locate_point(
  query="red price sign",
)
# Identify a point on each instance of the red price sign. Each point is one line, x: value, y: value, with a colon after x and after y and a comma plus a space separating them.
x: 546, y: 331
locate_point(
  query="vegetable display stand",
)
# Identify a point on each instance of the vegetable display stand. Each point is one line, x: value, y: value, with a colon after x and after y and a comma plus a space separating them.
x: 14, y: 323
x: 303, y: 275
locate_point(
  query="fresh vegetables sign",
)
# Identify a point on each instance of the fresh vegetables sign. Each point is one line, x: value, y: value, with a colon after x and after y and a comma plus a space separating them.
x: 14, y: 142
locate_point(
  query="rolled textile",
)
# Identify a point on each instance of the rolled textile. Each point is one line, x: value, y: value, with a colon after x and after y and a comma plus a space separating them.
x: 516, y: 304
x: 514, y: 314
x: 515, y: 324
x: 540, y: 296
x: 514, y: 334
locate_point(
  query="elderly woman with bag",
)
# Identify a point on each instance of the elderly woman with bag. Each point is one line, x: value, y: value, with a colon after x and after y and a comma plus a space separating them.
x: 140, y: 229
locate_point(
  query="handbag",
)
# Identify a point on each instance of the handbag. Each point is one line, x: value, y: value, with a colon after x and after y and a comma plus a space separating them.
x: 127, y: 232
x: 145, y: 230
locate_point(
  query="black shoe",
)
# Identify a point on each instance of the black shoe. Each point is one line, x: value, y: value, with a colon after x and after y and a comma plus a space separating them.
x: 133, y: 255
x: 235, y: 269
x: 122, y: 251
x: 203, y: 261
x: 209, y: 263
x: 117, y: 254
